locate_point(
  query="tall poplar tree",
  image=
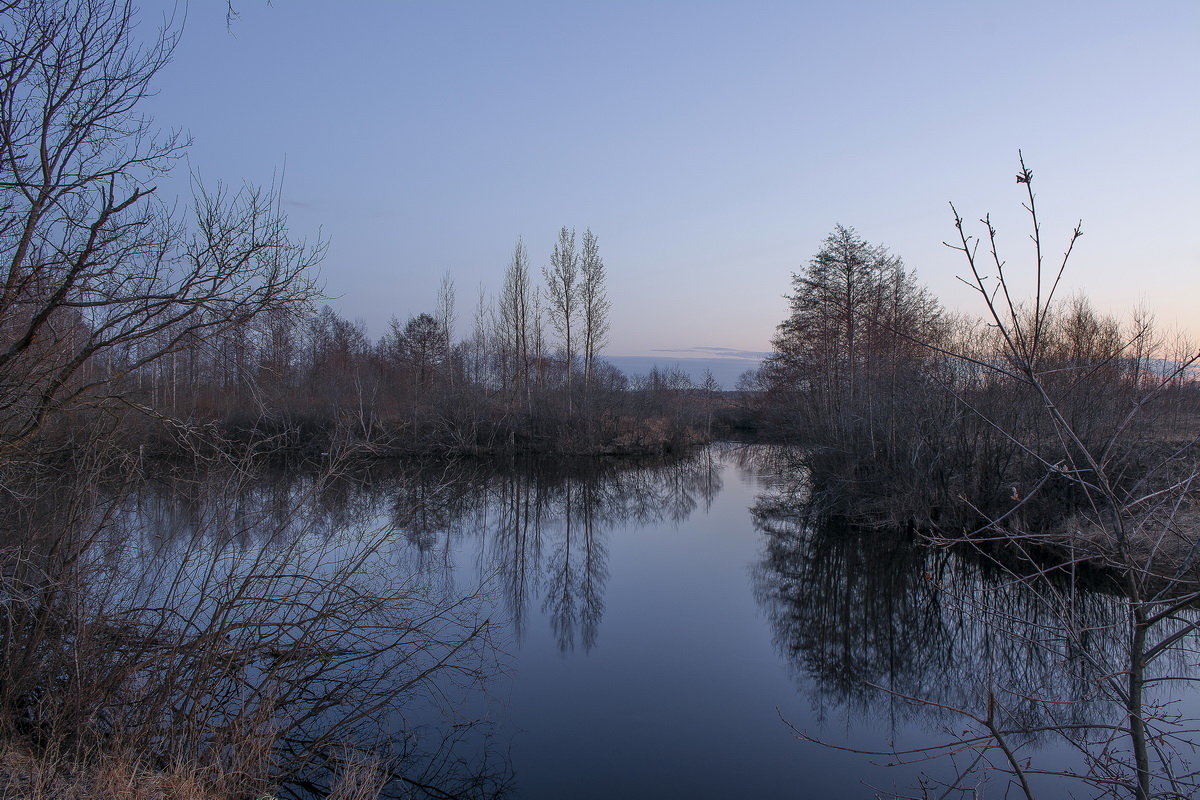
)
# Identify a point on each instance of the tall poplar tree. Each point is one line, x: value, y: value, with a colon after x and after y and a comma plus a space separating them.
x: 593, y: 300
x: 562, y: 295
x: 514, y: 320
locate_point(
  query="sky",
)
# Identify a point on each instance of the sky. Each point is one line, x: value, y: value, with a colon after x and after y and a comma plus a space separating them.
x: 710, y: 146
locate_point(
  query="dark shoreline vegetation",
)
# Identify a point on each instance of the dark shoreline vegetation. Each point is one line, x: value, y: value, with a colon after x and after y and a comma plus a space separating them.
x: 1050, y: 427
x: 138, y: 342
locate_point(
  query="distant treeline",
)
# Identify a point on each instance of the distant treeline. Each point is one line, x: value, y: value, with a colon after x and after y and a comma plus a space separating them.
x: 528, y: 378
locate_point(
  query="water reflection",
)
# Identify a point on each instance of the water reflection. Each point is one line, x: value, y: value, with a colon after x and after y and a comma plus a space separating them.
x: 863, y: 620
x: 329, y: 609
x: 546, y: 537
x: 543, y: 526
x: 998, y: 659
x: 856, y: 610
x: 272, y: 618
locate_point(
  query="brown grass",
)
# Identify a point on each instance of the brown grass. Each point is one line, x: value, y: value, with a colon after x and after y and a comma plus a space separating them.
x: 115, y: 777
x: 25, y: 776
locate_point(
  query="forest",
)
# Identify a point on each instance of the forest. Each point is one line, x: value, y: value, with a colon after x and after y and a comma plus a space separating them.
x: 140, y: 337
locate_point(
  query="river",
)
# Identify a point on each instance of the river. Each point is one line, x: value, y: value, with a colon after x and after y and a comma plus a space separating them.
x: 663, y: 630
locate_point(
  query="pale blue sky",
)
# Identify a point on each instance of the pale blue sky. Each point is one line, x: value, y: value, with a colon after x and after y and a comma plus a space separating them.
x: 711, y: 146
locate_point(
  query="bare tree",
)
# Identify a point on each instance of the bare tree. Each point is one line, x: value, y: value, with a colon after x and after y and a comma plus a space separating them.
x: 593, y: 298
x: 537, y: 338
x: 1101, y: 486
x: 710, y: 390
x: 514, y: 321
x: 424, y: 347
x: 562, y: 294
x: 93, y: 265
x: 1136, y: 506
x: 445, y: 317
x: 857, y: 317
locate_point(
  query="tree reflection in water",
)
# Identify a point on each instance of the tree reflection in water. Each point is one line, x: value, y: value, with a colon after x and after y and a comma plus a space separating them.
x: 544, y: 525
x: 1005, y: 664
x: 339, y: 601
x: 548, y: 538
x: 866, y: 620
x: 276, y: 618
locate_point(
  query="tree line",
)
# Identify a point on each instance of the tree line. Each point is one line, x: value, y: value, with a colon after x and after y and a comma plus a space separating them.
x: 528, y: 376
x: 908, y: 408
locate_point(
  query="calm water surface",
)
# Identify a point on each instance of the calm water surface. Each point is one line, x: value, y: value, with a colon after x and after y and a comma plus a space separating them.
x: 644, y: 662
x: 660, y: 631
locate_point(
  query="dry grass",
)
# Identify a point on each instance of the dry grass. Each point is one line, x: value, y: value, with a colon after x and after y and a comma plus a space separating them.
x: 1164, y: 550
x: 115, y: 777
x: 24, y: 776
